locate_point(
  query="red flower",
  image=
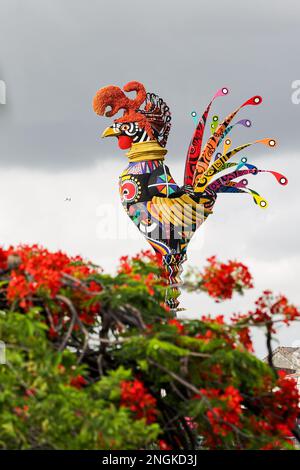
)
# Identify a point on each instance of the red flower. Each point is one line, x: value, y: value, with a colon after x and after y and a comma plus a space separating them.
x: 78, y: 381
x: 21, y: 412
x: 225, y: 411
x: 149, y: 282
x: 177, y: 324
x: 207, y: 336
x: 245, y: 338
x: 163, y: 445
x: 30, y: 392
x: 221, y: 279
x: 95, y: 287
x: 135, y: 397
x: 267, y: 307
x: 280, y: 406
x: 125, y: 267
x: 3, y: 259
x: 219, y: 319
x: 147, y: 256
x: 40, y: 273
x: 18, y: 287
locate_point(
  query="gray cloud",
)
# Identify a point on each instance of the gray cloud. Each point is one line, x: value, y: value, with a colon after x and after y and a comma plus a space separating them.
x: 55, y: 55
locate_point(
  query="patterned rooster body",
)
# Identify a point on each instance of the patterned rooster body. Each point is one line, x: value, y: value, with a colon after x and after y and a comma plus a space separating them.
x: 167, y: 214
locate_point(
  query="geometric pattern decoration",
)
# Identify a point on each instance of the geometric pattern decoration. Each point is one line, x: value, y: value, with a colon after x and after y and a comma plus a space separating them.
x: 165, y: 185
x: 166, y: 214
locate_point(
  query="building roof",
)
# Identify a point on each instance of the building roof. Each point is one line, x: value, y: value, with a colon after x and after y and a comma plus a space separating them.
x: 286, y: 358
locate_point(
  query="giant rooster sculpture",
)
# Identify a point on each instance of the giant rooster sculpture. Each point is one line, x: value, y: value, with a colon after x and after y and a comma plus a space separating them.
x: 168, y: 215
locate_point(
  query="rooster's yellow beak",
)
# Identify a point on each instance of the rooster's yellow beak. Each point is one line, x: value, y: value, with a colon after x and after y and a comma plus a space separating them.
x: 110, y: 132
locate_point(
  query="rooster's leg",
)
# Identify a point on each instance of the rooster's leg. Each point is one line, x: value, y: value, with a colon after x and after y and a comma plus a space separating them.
x: 173, y: 267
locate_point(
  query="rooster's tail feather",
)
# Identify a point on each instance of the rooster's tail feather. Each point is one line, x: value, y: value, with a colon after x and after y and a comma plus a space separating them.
x: 201, y: 167
x: 194, y: 149
x: 214, y: 140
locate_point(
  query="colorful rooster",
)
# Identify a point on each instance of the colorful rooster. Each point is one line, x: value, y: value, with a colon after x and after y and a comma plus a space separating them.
x: 167, y: 214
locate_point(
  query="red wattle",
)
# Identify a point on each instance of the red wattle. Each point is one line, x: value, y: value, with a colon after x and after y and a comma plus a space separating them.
x: 124, y: 142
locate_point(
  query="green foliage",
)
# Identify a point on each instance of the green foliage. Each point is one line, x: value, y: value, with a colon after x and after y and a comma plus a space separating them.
x: 40, y: 409
x: 96, y: 361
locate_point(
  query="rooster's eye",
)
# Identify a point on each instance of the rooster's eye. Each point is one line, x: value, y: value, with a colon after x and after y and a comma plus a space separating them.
x: 125, y: 127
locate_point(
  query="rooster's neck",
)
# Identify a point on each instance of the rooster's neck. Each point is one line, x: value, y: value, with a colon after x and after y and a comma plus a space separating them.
x: 143, y: 151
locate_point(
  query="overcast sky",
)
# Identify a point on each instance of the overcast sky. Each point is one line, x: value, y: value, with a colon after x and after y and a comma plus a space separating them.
x: 55, y: 54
